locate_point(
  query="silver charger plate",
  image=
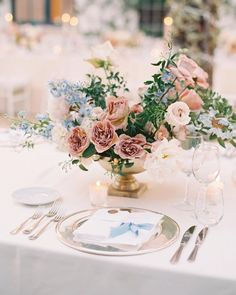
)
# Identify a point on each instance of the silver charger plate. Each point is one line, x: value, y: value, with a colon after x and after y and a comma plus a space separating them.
x: 168, y: 232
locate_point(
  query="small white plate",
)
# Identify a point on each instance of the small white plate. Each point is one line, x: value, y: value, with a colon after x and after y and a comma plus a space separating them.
x: 35, y: 195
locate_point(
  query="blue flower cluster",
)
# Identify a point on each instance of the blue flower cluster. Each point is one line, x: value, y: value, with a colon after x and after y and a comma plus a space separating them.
x: 75, y: 97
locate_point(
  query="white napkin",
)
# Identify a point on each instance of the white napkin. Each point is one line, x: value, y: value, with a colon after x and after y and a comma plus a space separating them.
x: 98, y: 228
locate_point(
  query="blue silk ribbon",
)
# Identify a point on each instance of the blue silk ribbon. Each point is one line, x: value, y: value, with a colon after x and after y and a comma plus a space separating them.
x: 125, y: 227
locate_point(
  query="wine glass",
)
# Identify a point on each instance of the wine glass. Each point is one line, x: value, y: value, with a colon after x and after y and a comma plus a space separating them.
x: 189, y: 144
x: 209, y: 204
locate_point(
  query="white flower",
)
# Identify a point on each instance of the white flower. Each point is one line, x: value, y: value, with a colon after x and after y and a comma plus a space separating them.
x: 97, y: 113
x: 87, y: 124
x: 58, y: 109
x: 59, y: 133
x: 103, y: 51
x: 162, y: 161
x: 178, y: 114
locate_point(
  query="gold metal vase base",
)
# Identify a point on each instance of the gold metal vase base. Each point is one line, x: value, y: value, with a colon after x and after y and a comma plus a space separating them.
x: 126, y: 186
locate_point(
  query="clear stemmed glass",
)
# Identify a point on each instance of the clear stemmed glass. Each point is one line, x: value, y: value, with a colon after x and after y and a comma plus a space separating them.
x: 189, y: 144
x: 209, y: 203
x: 209, y: 206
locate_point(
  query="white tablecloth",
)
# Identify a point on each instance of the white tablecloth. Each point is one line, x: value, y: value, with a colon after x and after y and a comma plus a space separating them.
x: 45, y: 266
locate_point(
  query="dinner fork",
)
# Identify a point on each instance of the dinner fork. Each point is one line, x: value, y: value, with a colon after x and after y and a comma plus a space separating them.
x: 60, y: 215
x: 37, y: 214
x: 52, y: 212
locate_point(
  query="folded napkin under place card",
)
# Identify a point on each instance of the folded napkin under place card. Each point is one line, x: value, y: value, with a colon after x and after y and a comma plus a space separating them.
x: 117, y: 227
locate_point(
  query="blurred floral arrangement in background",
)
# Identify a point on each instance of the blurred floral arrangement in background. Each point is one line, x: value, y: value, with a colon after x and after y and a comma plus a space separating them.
x: 116, y: 15
x: 93, y: 119
x: 196, y: 27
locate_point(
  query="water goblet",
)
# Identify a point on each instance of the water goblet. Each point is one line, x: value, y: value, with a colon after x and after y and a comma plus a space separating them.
x: 188, y: 145
x: 209, y: 204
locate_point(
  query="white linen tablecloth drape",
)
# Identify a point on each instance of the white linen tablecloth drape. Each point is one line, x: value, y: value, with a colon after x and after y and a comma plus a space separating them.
x: 45, y: 266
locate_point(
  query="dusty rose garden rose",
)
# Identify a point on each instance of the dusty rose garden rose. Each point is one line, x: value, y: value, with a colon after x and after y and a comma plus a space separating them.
x: 103, y: 135
x: 117, y: 111
x: 77, y: 141
x: 178, y: 114
x: 130, y: 147
x: 192, y: 99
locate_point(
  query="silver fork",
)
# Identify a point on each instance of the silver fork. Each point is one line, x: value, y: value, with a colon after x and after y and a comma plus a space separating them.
x: 60, y: 215
x: 37, y: 214
x: 52, y: 212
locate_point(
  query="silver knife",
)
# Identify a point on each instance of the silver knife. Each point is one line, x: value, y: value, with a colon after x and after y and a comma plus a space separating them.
x: 186, y: 237
x: 200, y: 239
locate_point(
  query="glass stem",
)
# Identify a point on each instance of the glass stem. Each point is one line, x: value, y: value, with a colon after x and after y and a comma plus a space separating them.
x: 187, y: 183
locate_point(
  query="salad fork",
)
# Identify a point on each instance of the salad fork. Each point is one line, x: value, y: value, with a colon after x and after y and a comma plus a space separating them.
x: 60, y: 215
x: 37, y: 214
x: 52, y: 212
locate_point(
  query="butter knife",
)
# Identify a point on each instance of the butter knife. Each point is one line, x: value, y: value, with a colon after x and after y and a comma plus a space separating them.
x: 200, y: 239
x: 186, y: 237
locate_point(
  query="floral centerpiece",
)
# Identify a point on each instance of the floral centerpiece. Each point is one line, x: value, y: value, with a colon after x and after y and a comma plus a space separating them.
x: 94, y: 120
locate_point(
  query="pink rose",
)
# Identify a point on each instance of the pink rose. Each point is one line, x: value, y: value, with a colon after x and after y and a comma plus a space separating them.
x: 77, y: 141
x: 195, y: 71
x: 192, y: 99
x: 136, y: 108
x: 161, y: 133
x: 182, y: 75
x: 189, y: 71
x: 180, y: 132
x: 117, y: 111
x: 103, y: 135
x: 201, y: 77
x: 130, y: 147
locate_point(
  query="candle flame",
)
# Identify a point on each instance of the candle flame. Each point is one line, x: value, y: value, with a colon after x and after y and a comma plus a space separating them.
x: 65, y: 18
x: 8, y: 17
x: 74, y: 21
x: 98, y: 183
x: 168, y: 21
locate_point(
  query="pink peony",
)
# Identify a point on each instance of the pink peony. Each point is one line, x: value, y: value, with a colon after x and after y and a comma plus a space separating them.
x: 130, y: 147
x: 117, y: 111
x: 136, y: 108
x: 192, y: 99
x: 161, y: 133
x: 77, y: 141
x: 103, y: 135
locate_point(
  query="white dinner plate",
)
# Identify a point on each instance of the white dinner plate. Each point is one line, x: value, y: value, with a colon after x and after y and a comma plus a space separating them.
x: 35, y: 195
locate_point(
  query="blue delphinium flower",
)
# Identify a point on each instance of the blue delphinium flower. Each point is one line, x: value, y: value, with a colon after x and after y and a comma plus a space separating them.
x: 42, y: 117
x: 21, y: 114
x: 167, y: 77
x: 68, y: 124
x: 46, y: 131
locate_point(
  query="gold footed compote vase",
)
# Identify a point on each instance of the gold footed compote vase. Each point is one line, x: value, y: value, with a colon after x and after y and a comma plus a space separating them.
x: 125, y: 184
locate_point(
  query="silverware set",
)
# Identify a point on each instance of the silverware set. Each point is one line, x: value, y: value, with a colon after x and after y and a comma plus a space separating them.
x: 55, y: 213
x: 185, y: 239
